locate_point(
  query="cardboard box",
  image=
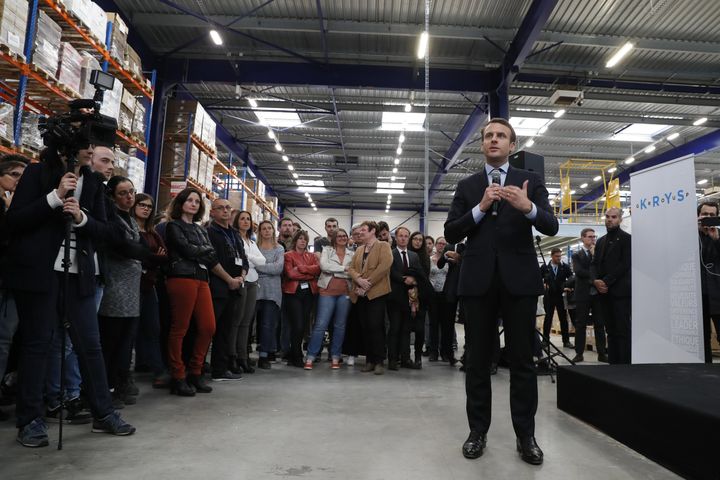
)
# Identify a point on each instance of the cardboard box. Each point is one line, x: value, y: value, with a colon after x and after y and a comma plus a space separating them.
x: 13, y: 23
x: 138, y: 125
x: 46, y: 53
x: 88, y: 64
x: 132, y: 62
x: 173, y: 160
x: 118, y: 39
x: 68, y: 72
x: 112, y: 100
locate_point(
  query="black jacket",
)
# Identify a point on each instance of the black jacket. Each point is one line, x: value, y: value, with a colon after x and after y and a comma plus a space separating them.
x: 555, y: 282
x: 228, y: 246
x: 612, y: 262
x: 583, y: 278
x: 398, y: 294
x: 710, y: 272
x: 504, y: 241
x: 452, y: 279
x: 37, y: 231
x: 189, y: 249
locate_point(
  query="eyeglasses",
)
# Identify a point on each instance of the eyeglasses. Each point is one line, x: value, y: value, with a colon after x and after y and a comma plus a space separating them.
x: 223, y: 207
x: 125, y: 193
x: 14, y: 174
x: 145, y: 205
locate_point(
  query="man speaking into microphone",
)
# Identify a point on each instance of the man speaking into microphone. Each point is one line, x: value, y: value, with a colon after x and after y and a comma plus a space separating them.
x: 496, y: 210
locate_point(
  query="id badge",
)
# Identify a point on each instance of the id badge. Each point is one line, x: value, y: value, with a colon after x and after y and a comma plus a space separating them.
x: 238, y: 261
x: 304, y: 285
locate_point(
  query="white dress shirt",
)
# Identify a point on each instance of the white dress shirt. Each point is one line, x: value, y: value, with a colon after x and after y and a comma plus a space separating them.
x: 478, y: 214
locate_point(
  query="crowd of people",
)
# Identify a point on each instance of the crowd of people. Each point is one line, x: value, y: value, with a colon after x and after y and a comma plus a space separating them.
x: 187, y: 299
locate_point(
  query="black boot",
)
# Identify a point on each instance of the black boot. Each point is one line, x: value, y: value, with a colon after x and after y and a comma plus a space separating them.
x: 245, y: 365
x: 181, y: 388
x: 418, y: 361
x: 198, y: 381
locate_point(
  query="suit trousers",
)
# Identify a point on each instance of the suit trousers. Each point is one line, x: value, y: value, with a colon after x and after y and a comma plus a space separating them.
x: 244, y: 314
x: 117, y: 337
x: 39, y: 318
x: 582, y: 318
x: 707, y: 329
x: 616, y: 313
x: 398, y: 336
x: 226, y: 310
x: 481, y: 333
x: 442, y: 325
x: 297, y: 307
x: 552, y: 303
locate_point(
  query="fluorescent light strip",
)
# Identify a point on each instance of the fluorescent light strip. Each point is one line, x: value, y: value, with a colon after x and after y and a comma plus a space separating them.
x: 423, y: 45
x: 216, y: 38
x: 619, y: 55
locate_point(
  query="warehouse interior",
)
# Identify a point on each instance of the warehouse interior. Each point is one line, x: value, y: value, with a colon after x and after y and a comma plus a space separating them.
x: 312, y: 109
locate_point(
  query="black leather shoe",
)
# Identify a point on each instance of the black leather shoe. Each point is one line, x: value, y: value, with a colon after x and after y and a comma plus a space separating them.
x: 181, y: 388
x: 568, y: 345
x: 474, y: 445
x: 578, y: 358
x: 493, y: 369
x: 199, y: 383
x: 393, y: 366
x: 603, y: 358
x: 433, y: 357
x: 246, y: 366
x: 529, y: 451
x: 410, y: 365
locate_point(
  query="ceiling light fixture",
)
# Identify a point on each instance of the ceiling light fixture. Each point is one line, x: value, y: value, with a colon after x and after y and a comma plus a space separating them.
x: 703, y: 181
x: 285, y: 158
x: 408, y: 108
x: 307, y: 194
x: 315, y: 208
x: 291, y: 168
x: 584, y: 185
x: 216, y: 38
x: 572, y: 192
x: 402, y: 138
x: 389, y: 196
x: 597, y: 179
x: 278, y: 147
x: 271, y: 134
x: 395, y: 170
x: 650, y: 149
x: 423, y: 45
x: 392, y: 179
x: 295, y: 175
x: 252, y: 102
x: 612, y: 170
x: 629, y: 160
x: 543, y: 129
x: 529, y: 143
x: 559, y: 113
x: 672, y: 136
x: 700, y: 121
x: 399, y: 151
x: 619, y: 55
x: 397, y: 161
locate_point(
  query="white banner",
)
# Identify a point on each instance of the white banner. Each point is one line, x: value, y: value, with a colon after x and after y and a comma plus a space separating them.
x: 666, y: 296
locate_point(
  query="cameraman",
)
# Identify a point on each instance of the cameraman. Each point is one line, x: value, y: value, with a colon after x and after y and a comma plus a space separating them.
x: 45, y: 198
x: 709, y: 273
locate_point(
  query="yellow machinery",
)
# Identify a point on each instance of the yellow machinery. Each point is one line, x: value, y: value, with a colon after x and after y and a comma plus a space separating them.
x: 569, y: 209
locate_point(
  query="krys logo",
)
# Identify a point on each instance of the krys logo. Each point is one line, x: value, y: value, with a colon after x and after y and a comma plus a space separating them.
x: 663, y: 199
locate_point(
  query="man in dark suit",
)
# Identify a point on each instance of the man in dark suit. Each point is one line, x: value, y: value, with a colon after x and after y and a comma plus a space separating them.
x: 496, y: 210
x: 709, y: 239
x: 586, y: 299
x: 554, y: 276
x: 452, y: 255
x: 611, y: 277
x: 405, y: 268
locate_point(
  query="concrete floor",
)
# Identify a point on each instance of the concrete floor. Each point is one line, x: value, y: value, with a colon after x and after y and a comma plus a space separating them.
x: 325, y: 424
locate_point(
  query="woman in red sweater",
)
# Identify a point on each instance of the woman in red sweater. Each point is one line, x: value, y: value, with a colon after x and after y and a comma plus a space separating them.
x: 299, y: 288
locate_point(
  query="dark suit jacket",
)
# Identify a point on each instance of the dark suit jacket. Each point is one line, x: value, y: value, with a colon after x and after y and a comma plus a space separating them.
x: 226, y: 250
x: 453, y: 275
x: 612, y: 262
x: 398, y: 293
x: 37, y: 231
x: 710, y: 272
x: 556, y: 283
x: 583, y: 278
x: 504, y: 241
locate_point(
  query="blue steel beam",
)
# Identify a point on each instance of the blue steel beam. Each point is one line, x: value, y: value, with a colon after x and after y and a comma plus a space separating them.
x: 323, y: 30
x: 618, y: 84
x: 336, y: 75
x: 520, y: 48
x: 220, y: 26
x: 707, y: 142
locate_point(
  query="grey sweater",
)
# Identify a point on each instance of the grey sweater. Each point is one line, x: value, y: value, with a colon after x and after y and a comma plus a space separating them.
x: 270, y: 275
x: 121, y: 296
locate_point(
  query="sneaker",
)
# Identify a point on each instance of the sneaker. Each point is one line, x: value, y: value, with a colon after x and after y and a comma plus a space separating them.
x: 130, y: 388
x: 227, y: 376
x: 351, y: 360
x: 264, y: 363
x: 379, y: 369
x: 335, y: 365
x: 123, y: 397
x: 73, y: 414
x: 34, y: 434
x: 308, y: 365
x: 112, y: 424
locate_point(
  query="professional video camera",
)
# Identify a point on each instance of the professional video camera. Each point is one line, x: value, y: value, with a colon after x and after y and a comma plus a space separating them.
x: 83, y: 125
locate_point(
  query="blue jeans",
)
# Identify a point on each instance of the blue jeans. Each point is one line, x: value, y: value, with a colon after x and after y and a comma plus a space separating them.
x: 8, y: 327
x: 147, y: 341
x: 71, y: 373
x: 268, y: 314
x: 335, y: 308
x: 38, y: 314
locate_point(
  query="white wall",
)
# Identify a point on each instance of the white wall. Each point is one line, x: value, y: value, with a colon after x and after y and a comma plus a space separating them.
x: 313, y: 220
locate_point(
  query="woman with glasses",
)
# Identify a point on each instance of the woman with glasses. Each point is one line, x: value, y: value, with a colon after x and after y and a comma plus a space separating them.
x: 333, y: 301
x: 299, y: 289
x: 269, y: 296
x: 246, y: 312
x: 148, y: 352
x: 119, y: 311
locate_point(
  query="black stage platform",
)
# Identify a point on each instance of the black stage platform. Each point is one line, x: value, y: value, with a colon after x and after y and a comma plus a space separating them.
x: 669, y: 413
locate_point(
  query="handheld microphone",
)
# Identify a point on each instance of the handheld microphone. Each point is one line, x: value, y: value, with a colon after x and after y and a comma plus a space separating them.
x: 495, y: 175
